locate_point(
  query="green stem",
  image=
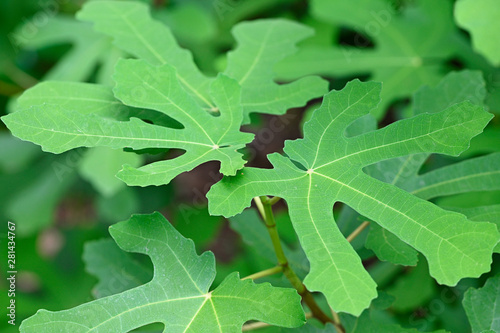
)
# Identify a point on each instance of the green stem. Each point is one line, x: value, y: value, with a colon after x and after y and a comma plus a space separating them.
x: 358, y: 230
x: 336, y: 322
x: 264, y: 273
x: 19, y: 77
x: 267, y: 215
x: 260, y: 206
x: 273, y: 231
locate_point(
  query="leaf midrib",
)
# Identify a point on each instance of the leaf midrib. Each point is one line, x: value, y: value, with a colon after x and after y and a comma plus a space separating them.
x: 43, y: 129
x: 396, y: 142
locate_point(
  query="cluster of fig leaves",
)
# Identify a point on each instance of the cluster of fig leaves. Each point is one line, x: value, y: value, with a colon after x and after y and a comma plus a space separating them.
x: 160, y: 99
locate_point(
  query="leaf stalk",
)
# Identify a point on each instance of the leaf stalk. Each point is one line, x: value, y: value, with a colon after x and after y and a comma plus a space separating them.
x: 264, y: 204
x: 264, y: 273
x: 358, y: 231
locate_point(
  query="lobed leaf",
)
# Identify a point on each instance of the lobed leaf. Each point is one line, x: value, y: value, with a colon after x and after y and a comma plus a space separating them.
x: 181, y: 108
x: 178, y: 296
x: 204, y: 137
x: 261, y: 45
x: 326, y: 167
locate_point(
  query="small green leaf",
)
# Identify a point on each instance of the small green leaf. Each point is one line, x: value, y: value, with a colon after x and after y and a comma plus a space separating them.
x: 482, y: 19
x: 483, y: 306
x: 205, y: 137
x: 331, y: 171
x: 178, y: 295
x: 261, y: 44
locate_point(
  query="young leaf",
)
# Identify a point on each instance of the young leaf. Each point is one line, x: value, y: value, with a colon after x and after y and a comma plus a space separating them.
x: 483, y: 306
x: 204, y: 137
x: 178, y: 295
x: 326, y: 167
x: 482, y: 19
x: 152, y: 84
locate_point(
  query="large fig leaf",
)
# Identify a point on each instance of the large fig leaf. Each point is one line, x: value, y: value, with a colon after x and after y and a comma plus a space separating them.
x: 178, y: 295
x: 326, y: 167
